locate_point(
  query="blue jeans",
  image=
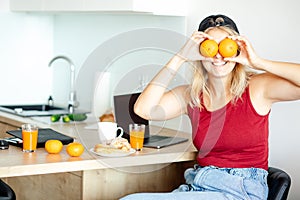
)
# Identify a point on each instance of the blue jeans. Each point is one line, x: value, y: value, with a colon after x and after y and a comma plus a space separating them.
x: 217, y: 184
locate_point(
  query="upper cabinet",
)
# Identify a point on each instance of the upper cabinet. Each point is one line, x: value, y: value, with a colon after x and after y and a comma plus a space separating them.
x: 155, y: 7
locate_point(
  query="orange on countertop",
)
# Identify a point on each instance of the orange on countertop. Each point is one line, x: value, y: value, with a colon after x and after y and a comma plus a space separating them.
x: 75, y: 149
x: 53, y: 146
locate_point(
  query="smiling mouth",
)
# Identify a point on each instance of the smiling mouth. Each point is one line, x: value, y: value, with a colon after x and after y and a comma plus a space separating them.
x: 219, y: 63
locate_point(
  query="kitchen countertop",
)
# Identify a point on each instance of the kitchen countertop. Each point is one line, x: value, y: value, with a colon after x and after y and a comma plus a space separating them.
x: 13, y: 162
x: 39, y: 175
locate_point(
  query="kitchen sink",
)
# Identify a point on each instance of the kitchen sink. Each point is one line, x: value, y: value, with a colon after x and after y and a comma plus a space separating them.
x: 36, y: 110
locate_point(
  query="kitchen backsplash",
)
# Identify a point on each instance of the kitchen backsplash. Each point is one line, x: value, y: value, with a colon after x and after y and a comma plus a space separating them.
x: 30, y: 40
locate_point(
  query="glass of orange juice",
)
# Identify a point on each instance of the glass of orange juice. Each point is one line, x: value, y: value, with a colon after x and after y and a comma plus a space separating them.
x: 29, y: 137
x: 137, y: 132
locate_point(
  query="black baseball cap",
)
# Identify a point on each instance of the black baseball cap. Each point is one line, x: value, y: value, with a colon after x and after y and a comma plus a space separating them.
x: 217, y: 20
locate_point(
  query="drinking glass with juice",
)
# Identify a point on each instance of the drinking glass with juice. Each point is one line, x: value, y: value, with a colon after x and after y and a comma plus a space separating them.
x: 30, y: 137
x: 137, y: 132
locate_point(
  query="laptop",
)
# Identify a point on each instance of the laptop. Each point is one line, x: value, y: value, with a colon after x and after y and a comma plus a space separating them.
x: 124, y: 115
x: 43, y: 135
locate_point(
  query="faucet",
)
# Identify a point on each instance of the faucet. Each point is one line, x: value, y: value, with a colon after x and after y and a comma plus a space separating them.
x: 72, y: 103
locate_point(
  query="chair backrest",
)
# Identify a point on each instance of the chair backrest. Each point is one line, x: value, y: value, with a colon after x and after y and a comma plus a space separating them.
x: 6, y: 192
x: 279, y: 183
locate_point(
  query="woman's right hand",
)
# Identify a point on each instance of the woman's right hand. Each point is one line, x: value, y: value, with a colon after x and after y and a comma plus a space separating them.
x: 155, y: 103
x: 247, y: 55
x: 190, y: 50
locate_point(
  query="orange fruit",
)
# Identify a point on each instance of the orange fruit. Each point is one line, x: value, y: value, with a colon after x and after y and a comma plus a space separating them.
x: 228, y: 47
x: 75, y: 149
x: 209, y: 48
x: 53, y: 146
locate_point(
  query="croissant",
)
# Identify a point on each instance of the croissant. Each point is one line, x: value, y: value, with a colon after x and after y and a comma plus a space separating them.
x: 118, y: 144
x: 121, y: 143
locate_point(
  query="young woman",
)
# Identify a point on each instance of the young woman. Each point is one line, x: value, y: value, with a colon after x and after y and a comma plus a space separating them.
x: 228, y: 106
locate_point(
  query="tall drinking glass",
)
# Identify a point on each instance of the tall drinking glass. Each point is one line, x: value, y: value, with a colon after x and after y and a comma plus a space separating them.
x: 137, y: 134
x: 30, y: 137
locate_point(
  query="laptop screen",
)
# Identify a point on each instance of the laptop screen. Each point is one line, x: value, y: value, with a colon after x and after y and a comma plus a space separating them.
x: 124, y: 114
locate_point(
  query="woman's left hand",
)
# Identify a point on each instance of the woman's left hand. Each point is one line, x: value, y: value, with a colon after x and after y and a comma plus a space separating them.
x: 247, y: 55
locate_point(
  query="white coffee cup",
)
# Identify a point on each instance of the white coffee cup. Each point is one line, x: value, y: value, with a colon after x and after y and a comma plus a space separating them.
x: 108, y: 131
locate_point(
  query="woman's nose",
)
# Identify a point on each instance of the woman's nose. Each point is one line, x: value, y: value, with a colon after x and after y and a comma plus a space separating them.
x: 218, y: 55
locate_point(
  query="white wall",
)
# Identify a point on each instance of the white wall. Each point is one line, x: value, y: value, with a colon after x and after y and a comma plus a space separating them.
x: 25, y: 49
x: 126, y: 45
x: 29, y: 40
x: 273, y: 29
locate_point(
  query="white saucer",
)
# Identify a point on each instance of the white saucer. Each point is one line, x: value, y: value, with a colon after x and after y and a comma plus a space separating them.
x: 113, y: 152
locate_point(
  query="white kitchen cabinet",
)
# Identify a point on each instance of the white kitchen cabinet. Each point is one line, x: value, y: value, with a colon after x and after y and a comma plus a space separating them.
x: 155, y: 7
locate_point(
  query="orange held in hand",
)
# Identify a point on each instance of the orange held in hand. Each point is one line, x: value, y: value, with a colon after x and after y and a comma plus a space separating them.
x: 53, y: 146
x: 209, y: 48
x: 228, y: 48
x: 75, y: 149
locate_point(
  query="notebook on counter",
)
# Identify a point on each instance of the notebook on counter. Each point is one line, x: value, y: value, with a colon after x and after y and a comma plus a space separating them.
x: 124, y: 114
x: 44, y: 134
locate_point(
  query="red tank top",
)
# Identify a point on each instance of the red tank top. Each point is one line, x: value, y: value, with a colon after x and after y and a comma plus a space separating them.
x: 235, y: 136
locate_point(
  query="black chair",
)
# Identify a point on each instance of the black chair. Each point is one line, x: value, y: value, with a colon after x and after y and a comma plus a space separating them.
x: 6, y: 192
x: 279, y: 183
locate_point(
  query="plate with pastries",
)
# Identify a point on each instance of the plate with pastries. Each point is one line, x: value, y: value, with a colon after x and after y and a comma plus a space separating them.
x: 119, y: 147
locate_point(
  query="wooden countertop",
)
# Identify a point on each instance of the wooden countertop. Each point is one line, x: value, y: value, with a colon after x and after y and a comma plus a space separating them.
x: 13, y: 162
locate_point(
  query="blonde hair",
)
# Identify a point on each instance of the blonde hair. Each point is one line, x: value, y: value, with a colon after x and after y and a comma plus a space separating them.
x: 198, y: 87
